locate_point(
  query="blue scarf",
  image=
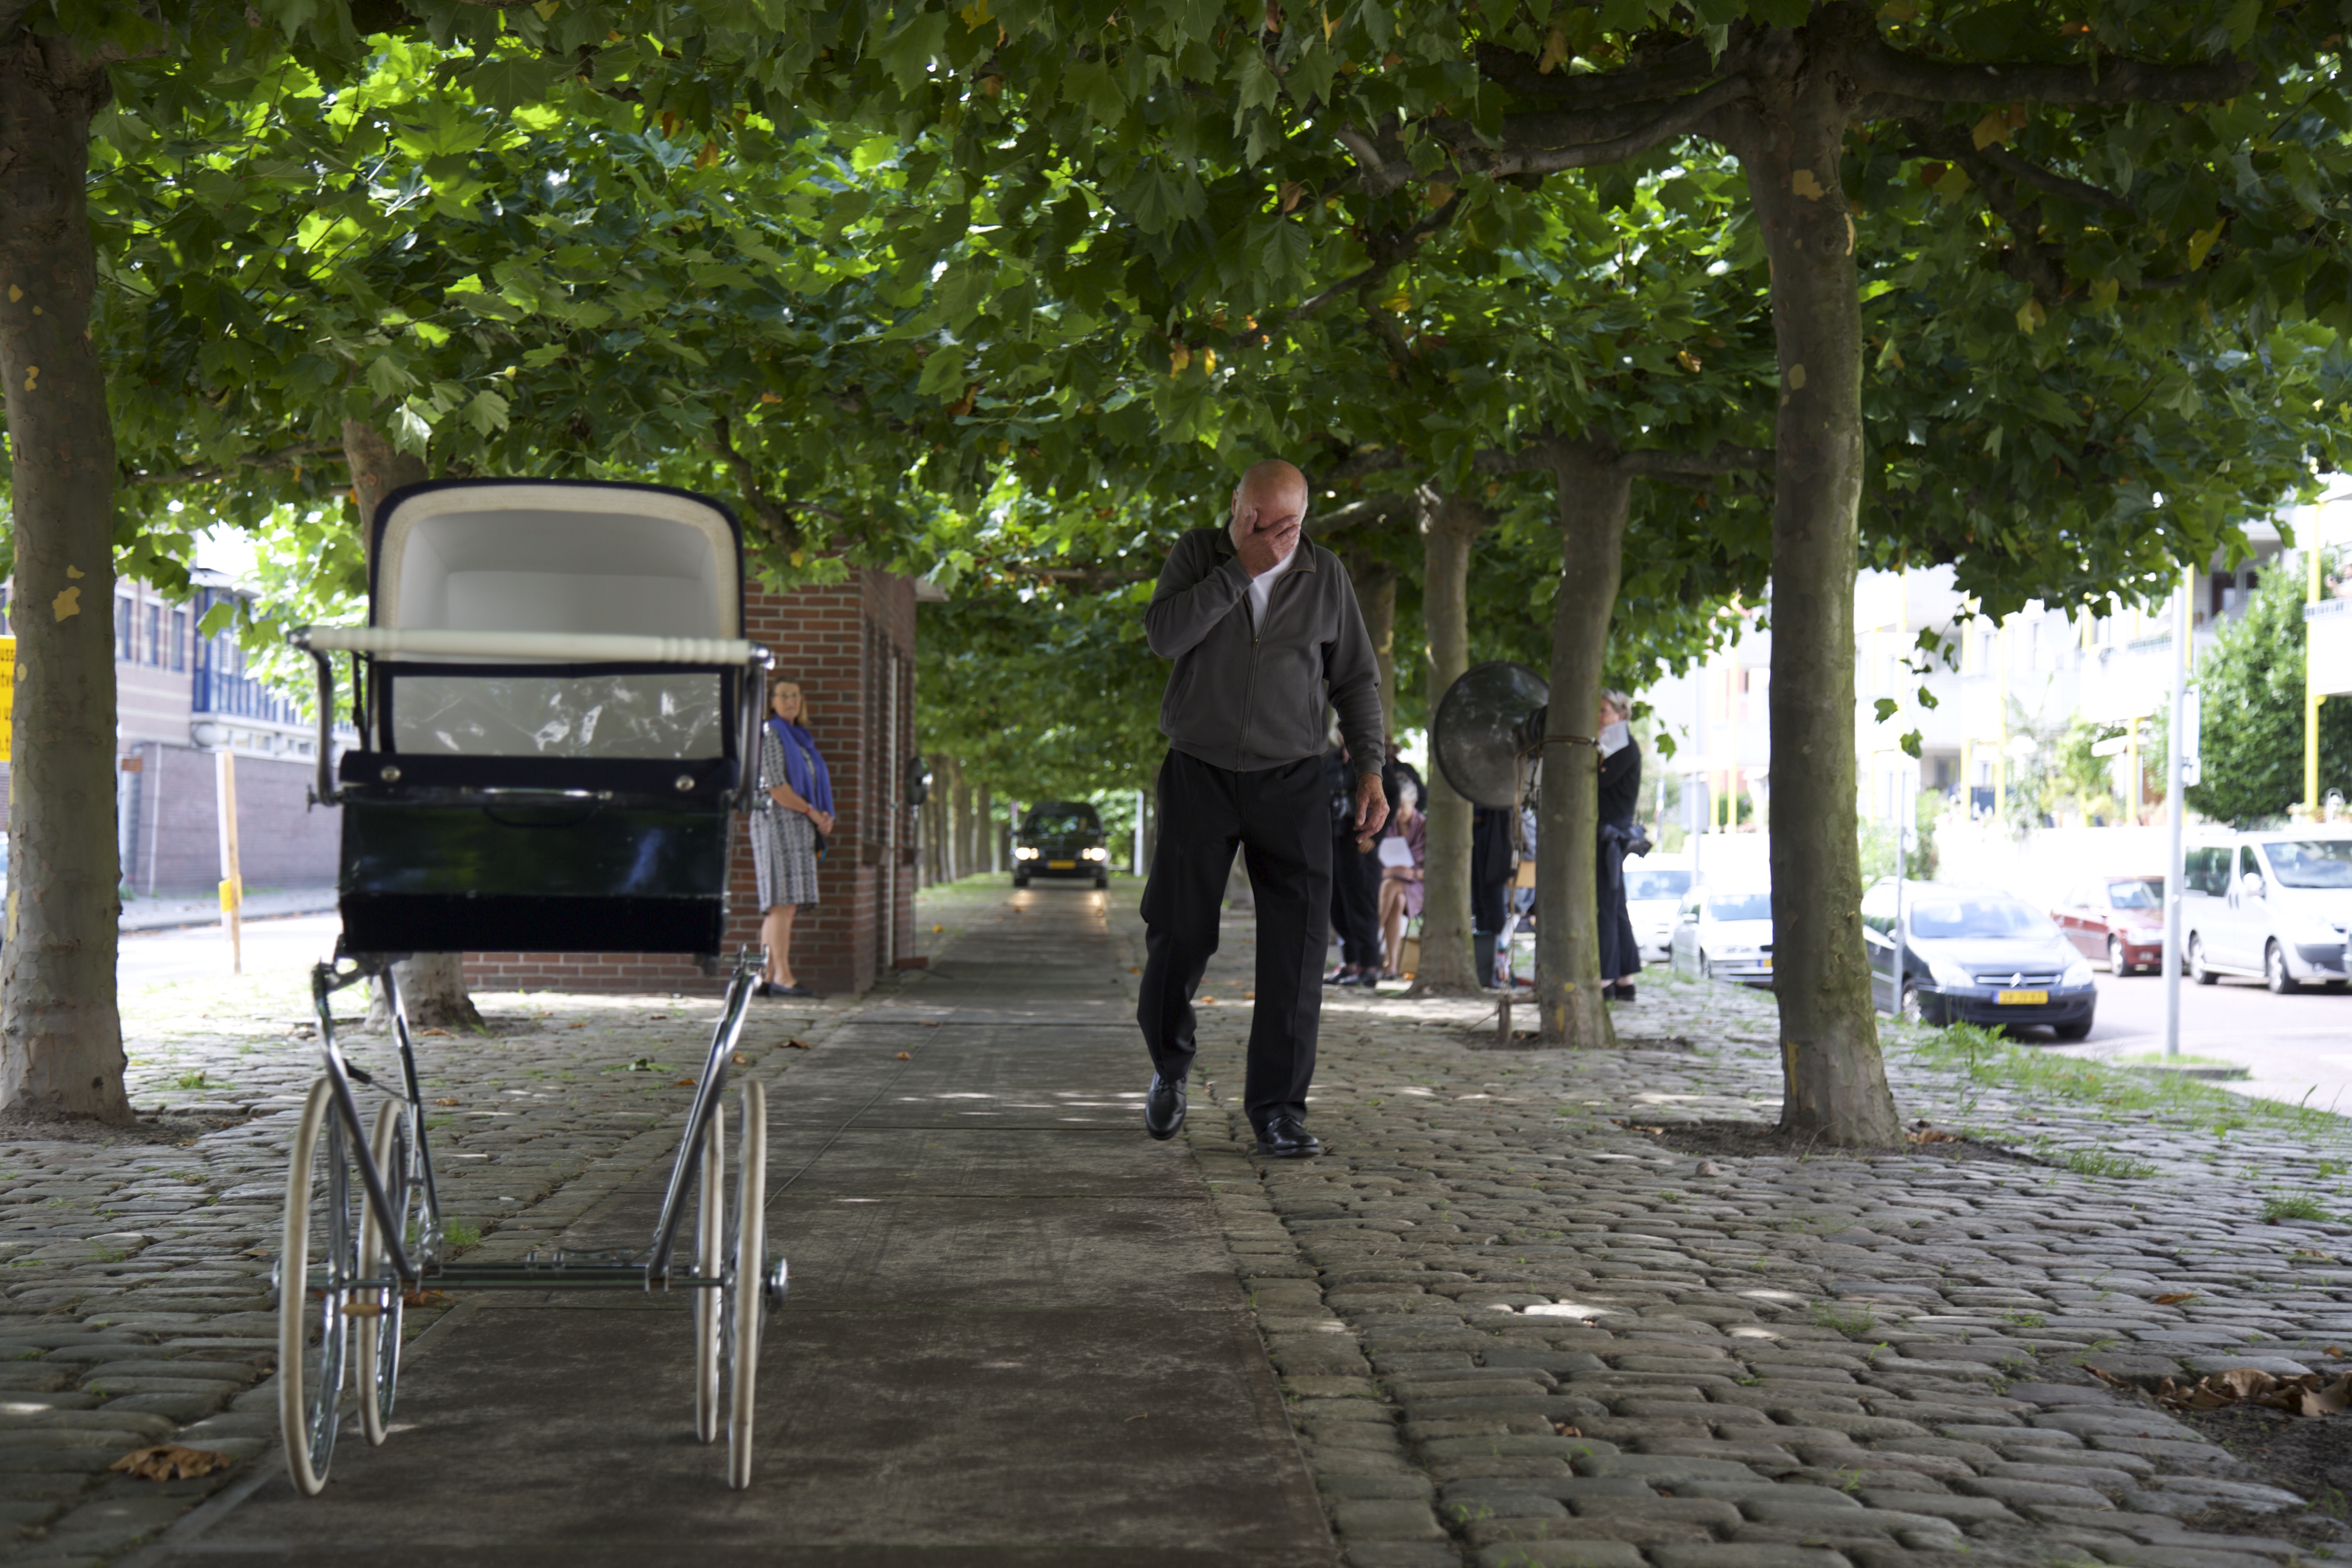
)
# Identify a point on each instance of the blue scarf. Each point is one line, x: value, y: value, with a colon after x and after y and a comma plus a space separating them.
x: 805, y: 769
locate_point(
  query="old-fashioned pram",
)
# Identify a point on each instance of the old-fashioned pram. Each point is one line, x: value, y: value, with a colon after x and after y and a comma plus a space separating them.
x: 557, y: 717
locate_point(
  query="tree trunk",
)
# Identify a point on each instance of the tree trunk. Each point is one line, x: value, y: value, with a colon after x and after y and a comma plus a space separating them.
x: 1376, y: 597
x: 432, y: 983
x: 1594, y: 497
x: 60, y: 1034
x: 987, y: 857
x: 1449, y: 526
x: 1835, y: 1079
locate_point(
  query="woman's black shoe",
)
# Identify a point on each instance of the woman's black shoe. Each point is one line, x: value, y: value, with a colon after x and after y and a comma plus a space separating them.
x: 767, y: 988
x: 794, y: 989
x: 1621, y: 992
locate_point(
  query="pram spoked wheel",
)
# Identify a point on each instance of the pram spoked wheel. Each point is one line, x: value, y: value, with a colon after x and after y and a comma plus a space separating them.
x: 727, y: 1317
x: 318, y: 1257
x: 378, y: 1361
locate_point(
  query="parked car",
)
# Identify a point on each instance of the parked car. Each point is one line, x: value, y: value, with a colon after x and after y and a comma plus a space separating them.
x: 2120, y: 918
x: 1653, y: 891
x: 2271, y: 904
x: 1954, y: 954
x: 1061, y: 838
x: 1723, y: 934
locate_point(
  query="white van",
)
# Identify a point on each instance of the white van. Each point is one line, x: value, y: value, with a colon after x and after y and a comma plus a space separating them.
x: 2270, y: 904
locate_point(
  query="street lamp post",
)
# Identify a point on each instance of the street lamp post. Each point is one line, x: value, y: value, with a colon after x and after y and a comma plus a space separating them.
x: 2176, y: 753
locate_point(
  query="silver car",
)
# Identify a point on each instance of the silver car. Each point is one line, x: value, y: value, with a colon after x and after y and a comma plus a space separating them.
x: 1723, y: 934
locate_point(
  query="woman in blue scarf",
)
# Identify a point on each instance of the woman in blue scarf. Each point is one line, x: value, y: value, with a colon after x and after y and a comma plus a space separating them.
x: 796, y: 808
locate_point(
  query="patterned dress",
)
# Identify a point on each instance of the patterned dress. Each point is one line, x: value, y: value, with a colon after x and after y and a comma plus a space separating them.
x: 783, y: 843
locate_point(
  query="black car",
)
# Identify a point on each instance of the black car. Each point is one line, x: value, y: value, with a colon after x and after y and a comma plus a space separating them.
x: 1976, y: 955
x: 1061, y: 838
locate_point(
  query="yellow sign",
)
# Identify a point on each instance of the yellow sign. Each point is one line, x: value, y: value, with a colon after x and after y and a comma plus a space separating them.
x: 232, y: 897
x: 7, y: 693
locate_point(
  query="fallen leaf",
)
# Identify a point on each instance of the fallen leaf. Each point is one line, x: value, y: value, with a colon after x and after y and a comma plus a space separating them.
x: 425, y: 1299
x: 1133, y: 969
x: 905, y: 1058
x: 449, y: 1100
x: 798, y: 1046
x: 1249, y: 996
x: 2307, y: 1394
x: 2174, y: 1298
x: 437, y: 1031
x: 1932, y: 1135
x: 171, y: 1462
x: 1141, y: 1416
x: 575, y: 1026
x: 683, y: 1083
x: 1208, y: 1001
x: 2337, y: 1353
x: 2107, y: 1377
x: 935, y: 930
x: 741, y: 1060
x: 1563, y: 1429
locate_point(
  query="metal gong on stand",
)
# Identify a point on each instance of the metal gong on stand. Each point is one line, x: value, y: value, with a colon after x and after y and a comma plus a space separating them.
x: 1487, y: 737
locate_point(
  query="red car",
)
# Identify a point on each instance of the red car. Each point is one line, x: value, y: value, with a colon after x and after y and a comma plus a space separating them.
x: 2119, y: 919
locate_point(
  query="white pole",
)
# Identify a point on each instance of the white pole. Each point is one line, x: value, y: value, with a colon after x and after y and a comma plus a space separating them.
x: 2174, y: 752
x: 1137, y: 860
x: 1901, y: 916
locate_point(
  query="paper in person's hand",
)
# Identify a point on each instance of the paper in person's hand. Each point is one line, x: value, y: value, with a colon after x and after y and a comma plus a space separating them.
x: 1395, y: 852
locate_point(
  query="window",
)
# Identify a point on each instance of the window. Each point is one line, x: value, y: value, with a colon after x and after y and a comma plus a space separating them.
x: 2145, y: 893
x: 1977, y: 917
x: 1660, y: 884
x: 179, y: 639
x: 123, y: 637
x: 155, y: 635
x: 2208, y: 871
x: 1741, y: 906
x: 2312, y: 862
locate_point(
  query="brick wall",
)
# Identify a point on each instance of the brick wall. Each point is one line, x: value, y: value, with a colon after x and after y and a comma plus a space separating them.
x: 852, y: 648
x: 175, y: 841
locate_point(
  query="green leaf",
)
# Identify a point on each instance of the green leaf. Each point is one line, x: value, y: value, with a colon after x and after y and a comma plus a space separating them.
x: 507, y: 82
x: 1095, y: 87
x: 1910, y: 744
x: 943, y: 373
x: 1885, y: 707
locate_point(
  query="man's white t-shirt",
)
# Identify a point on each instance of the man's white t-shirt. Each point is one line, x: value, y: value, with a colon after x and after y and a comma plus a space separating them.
x: 1263, y: 583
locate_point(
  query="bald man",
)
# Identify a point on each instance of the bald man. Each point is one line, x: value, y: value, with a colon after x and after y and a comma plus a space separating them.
x: 1264, y: 631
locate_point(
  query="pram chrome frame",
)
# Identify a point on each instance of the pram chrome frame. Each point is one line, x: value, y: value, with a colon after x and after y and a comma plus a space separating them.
x: 399, y: 1245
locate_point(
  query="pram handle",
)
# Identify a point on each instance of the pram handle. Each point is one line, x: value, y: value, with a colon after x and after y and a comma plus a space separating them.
x: 321, y: 642
x: 599, y: 647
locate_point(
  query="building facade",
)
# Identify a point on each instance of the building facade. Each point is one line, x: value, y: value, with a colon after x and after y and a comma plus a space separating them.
x: 181, y: 701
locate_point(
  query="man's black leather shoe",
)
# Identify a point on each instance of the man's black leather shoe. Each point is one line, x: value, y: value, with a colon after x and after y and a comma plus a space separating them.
x: 1286, y: 1137
x: 1163, y: 1108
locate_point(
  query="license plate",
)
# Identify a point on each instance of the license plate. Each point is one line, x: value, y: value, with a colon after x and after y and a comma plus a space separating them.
x: 1060, y: 865
x: 1767, y: 962
x: 2022, y: 998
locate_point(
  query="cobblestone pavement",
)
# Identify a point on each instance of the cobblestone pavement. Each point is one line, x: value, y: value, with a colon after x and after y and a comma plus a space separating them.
x: 133, y: 1274
x: 1515, y: 1327
x: 1518, y: 1329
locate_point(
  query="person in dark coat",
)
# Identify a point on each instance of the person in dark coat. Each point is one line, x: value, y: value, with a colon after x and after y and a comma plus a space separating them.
x: 1355, y: 880
x: 1490, y: 879
x: 1621, y: 793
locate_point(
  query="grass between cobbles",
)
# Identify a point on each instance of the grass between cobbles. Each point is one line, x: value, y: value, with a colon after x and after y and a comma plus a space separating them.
x: 1981, y: 1057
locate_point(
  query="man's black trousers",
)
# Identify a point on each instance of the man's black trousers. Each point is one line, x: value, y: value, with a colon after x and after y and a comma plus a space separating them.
x: 1356, y: 901
x: 1281, y: 820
